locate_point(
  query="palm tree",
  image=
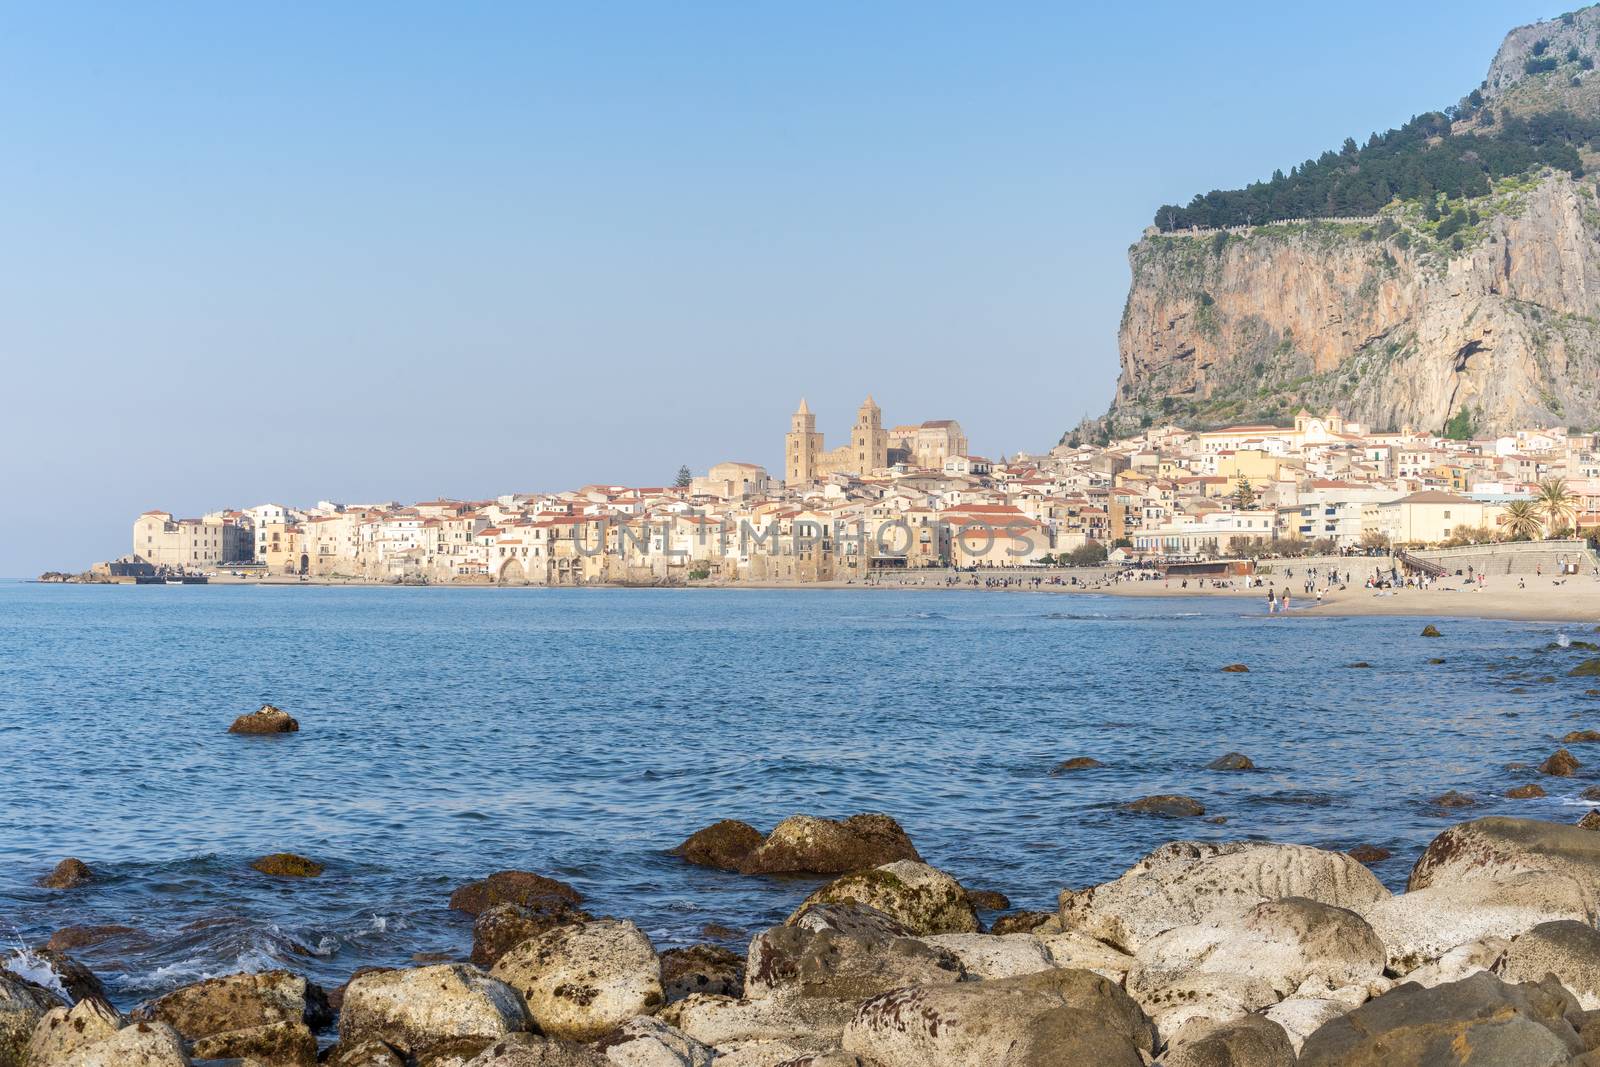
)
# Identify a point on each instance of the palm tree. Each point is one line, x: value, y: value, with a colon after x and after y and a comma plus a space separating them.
x: 1522, y: 520
x: 1556, y: 504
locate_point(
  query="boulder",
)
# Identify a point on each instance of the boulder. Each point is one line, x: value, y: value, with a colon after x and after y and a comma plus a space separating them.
x: 1236, y: 668
x: 1422, y: 925
x: 763, y: 1054
x: 1463, y: 961
x: 70, y: 937
x: 63, y: 1031
x: 532, y: 891
x: 419, y: 1008
x: 1369, y: 854
x: 1072, y: 948
x: 1431, y: 630
x: 799, y: 1021
x: 723, y: 845
x: 1231, y: 761
x: 1567, y: 949
x: 701, y: 969
x: 1168, y: 806
x: 1252, y: 1041
x: 1560, y: 763
x: 1531, y: 791
x: 647, y: 1042
x: 1581, y: 737
x: 583, y: 980
x: 1496, y: 847
x: 371, y: 1053
x: 281, y: 1044
x: 1453, y: 799
x: 240, y: 1002
x: 76, y: 980
x: 1590, y: 821
x: 1479, y: 1020
x: 68, y: 874
x: 1187, y: 882
x: 534, y: 1050
x: 1053, y: 1017
x: 1224, y: 968
x: 988, y: 899
x: 287, y: 865
x: 805, y: 844
x: 824, y: 963
x: 1300, y: 1017
x: 1589, y: 668
x: 1076, y: 763
x: 499, y: 928
x: 269, y: 720
x: 1021, y: 922
x: 140, y: 1044
x: 857, y: 920
x: 996, y: 955
x: 22, y: 1005
x: 921, y: 898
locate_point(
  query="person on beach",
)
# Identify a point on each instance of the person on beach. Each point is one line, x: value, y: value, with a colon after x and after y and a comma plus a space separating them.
x: 1272, y: 602
x: 1284, y: 605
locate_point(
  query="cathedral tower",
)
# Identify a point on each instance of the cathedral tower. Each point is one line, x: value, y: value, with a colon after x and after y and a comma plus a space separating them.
x: 869, y: 441
x: 801, y: 446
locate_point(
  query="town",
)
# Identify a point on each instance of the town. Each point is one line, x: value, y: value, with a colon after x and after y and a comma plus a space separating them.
x: 911, y: 497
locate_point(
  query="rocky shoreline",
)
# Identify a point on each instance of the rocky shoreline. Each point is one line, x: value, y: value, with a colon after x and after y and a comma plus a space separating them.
x: 1249, y: 954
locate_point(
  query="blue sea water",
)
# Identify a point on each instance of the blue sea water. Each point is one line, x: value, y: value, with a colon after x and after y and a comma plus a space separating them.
x: 448, y: 733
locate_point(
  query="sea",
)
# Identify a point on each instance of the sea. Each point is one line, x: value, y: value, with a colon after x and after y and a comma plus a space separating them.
x: 582, y: 733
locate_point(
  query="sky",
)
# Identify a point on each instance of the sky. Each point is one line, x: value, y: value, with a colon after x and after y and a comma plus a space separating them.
x: 373, y: 251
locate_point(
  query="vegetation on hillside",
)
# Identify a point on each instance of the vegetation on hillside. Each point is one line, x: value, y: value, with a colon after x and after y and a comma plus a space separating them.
x: 1416, y: 162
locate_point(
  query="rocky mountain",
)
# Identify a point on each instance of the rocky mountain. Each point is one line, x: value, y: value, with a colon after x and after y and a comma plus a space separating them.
x: 1485, y: 304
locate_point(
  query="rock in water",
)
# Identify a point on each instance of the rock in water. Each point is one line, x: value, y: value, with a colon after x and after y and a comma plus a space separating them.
x: 804, y: 844
x: 1521, y: 1025
x: 1531, y: 791
x: 1591, y: 821
x: 1232, y: 761
x: 530, y: 890
x: 424, y: 1008
x: 1186, y: 882
x: 287, y: 865
x: 1076, y: 763
x: 1236, y: 668
x: 581, y: 981
x: 1561, y: 764
x: 1369, y: 854
x: 1581, y: 737
x: 1498, y: 847
x: 921, y: 898
x: 1589, y: 668
x: 1168, y: 806
x: 68, y: 874
x: 723, y: 845
x: 1453, y: 799
x: 269, y: 720
x: 1053, y: 1017
x: 1431, y: 630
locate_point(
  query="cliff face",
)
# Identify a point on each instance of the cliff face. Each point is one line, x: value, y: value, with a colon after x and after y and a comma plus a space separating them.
x: 1394, y: 326
x: 1394, y: 319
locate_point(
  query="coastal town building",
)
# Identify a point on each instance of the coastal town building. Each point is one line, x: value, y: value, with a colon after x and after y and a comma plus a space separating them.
x: 914, y: 497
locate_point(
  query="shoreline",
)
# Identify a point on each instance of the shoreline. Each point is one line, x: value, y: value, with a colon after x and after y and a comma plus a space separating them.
x: 1576, y: 600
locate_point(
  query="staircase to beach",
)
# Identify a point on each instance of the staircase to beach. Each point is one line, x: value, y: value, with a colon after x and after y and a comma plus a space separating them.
x: 1513, y: 557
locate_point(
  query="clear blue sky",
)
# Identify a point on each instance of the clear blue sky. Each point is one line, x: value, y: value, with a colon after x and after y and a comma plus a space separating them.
x: 391, y: 250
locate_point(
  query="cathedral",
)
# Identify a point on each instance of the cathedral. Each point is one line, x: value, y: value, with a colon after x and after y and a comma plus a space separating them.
x: 871, y: 447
